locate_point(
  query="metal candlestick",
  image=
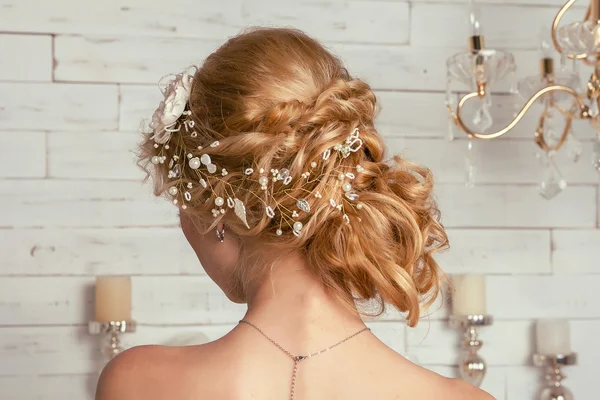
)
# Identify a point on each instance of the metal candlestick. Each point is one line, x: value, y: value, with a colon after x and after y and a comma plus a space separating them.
x: 554, y: 389
x: 112, y: 330
x: 472, y: 367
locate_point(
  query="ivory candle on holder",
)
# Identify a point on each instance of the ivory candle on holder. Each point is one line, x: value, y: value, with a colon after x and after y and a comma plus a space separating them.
x: 553, y: 336
x: 469, y: 295
x: 113, y: 298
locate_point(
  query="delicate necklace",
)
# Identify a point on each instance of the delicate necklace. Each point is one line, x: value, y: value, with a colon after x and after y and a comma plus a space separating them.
x: 297, y: 359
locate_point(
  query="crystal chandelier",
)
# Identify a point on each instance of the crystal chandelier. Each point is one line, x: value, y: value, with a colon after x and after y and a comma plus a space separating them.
x: 472, y: 75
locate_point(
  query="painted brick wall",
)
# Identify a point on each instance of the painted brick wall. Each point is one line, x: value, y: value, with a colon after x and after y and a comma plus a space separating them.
x: 76, y: 79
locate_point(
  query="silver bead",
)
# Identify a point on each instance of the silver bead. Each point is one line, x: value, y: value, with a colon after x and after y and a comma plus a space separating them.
x: 172, y: 190
x: 219, y: 201
x: 224, y: 172
x: 167, y: 146
x: 278, y: 232
x: 359, y: 168
x: 189, y: 185
x: 156, y: 145
x: 194, y: 163
x: 313, y: 164
x: 263, y: 180
x: 203, y: 183
x: 269, y: 211
x: 184, y: 206
x: 155, y: 160
x: 190, y: 155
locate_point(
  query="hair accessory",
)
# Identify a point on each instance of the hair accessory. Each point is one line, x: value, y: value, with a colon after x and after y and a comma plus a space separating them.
x: 172, y: 121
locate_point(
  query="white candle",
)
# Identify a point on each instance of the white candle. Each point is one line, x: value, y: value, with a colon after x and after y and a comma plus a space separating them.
x: 113, y: 298
x: 553, y: 336
x: 469, y: 295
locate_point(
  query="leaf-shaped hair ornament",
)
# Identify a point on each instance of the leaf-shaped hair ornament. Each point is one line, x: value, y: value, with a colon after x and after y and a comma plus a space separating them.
x: 240, y: 211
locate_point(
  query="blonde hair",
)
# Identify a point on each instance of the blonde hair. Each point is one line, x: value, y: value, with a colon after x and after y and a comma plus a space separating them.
x: 275, y: 98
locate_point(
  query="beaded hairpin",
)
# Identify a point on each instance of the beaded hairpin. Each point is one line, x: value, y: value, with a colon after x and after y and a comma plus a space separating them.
x: 167, y: 124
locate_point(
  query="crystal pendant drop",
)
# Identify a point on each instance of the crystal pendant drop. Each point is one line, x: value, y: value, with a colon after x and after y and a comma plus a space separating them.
x: 482, y: 118
x: 574, y: 147
x: 593, y: 109
x: 549, y: 128
x: 596, y: 153
x: 553, y: 182
x: 451, y: 127
x: 451, y: 104
x: 470, y: 169
x: 563, y: 61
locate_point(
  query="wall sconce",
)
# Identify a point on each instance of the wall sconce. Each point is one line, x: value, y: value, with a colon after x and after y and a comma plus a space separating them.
x: 113, y: 312
x: 553, y: 352
x: 468, y: 314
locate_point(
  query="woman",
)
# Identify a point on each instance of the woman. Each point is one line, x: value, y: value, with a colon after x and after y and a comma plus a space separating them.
x: 270, y: 152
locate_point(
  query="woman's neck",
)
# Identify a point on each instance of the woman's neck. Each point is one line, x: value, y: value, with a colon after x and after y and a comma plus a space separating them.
x: 293, y: 305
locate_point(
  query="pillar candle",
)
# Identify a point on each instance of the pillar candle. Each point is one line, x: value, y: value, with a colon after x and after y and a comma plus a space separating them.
x: 113, y: 298
x: 553, y: 336
x: 469, y: 295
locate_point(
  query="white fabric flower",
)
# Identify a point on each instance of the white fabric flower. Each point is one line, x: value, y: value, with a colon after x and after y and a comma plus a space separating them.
x: 164, y: 119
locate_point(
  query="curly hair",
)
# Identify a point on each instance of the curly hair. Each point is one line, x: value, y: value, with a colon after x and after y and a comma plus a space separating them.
x: 275, y: 98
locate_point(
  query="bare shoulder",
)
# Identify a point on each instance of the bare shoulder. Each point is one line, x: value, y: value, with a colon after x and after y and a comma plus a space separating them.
x: 460, y: 389
x: 141, y: 373
x: 118, y: 377
x: 423, y: 383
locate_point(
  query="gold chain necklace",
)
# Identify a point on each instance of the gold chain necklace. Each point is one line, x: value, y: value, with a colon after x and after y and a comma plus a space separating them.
x: 298, y: 359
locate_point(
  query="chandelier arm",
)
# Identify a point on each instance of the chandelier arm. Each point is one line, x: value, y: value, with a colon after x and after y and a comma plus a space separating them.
x: 539, y: 134
x: 555, y: 24
x: 553, y: 88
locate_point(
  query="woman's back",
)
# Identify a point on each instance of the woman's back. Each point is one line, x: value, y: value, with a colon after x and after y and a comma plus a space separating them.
x: 242, y: 366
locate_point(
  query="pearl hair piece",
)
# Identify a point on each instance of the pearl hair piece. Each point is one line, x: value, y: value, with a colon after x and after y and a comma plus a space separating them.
x: 171, y: 121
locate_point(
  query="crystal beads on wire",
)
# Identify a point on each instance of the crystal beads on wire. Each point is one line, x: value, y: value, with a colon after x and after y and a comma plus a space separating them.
x: 470, y: 168
x: 573, y: 146
x: 596, y: 153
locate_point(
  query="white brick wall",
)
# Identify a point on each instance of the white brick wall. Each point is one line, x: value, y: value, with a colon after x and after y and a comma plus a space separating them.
x: 76, y: 80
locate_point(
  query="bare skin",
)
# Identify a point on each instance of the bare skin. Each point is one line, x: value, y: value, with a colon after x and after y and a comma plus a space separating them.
x: 292, y: 307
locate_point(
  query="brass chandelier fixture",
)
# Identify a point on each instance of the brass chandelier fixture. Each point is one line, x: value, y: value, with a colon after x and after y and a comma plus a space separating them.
x: 556, y: 90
